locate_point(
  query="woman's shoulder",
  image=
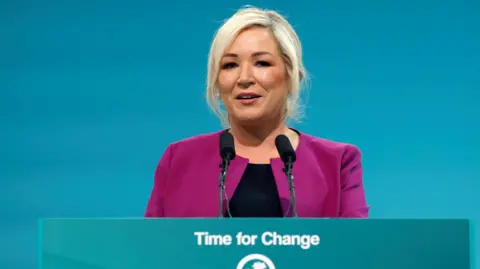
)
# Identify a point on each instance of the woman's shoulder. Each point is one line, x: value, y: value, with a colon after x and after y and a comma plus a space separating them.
x: 196, y: 144
x: 322, y: 146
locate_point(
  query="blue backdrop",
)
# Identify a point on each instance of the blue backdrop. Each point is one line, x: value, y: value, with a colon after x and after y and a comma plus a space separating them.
x: 92, y: 93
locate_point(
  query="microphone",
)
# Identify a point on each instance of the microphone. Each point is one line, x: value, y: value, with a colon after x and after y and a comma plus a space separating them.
x: 227, y: 153
x: 288, y: 156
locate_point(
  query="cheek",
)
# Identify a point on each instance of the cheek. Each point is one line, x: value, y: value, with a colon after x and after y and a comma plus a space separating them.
x: 226, y: 82
x: 272, y: 80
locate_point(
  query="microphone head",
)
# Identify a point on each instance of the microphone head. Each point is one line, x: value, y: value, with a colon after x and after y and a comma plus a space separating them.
x: 285, y: 149
x: 227, y: 146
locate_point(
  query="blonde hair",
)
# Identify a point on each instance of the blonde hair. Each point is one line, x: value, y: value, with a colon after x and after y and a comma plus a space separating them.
x: 289, y: 45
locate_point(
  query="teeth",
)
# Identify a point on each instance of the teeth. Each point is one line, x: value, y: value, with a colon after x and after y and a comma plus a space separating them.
x: 247, y: 96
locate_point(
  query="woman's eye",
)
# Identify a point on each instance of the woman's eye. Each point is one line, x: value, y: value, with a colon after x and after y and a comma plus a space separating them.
x: 229, y: 65
x: 262, y: 63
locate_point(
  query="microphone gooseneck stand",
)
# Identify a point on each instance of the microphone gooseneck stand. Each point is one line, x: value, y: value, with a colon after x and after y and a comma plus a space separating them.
x: 223, y: 176
x: 288, y: 172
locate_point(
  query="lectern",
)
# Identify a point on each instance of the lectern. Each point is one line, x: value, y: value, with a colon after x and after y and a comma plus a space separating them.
x: 254, y: 243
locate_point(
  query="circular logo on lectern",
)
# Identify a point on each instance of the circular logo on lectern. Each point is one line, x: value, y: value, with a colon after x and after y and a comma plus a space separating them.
x: 255, y: 261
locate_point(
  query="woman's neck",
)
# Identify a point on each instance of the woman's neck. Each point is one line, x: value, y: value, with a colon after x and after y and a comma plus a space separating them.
x: 257, y: 143
x: 257, y: 135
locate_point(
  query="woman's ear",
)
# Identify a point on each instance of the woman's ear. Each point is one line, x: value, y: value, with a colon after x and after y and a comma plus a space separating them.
x: 217, y: 91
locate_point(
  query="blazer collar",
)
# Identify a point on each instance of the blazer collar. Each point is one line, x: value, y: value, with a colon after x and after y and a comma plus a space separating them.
x: 239, y: 164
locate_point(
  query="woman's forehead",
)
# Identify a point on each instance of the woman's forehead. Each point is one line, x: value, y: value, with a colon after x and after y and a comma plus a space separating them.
x: 253, y: 40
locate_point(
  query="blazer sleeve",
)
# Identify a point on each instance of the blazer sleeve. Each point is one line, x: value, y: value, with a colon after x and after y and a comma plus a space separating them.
x: 352, y: 197
x: 155, y: 203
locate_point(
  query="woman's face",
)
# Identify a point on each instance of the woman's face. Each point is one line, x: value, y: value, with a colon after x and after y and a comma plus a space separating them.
x: 253, y: 80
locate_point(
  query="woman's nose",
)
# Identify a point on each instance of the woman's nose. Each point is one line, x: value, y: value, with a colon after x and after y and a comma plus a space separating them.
x: 245, y: 78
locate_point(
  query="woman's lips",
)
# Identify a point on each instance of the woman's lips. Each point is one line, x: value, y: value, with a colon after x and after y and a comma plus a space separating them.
x: 249, y: 101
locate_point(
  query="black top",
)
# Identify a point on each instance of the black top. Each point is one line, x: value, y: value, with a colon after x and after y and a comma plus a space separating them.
x: 256, y: 194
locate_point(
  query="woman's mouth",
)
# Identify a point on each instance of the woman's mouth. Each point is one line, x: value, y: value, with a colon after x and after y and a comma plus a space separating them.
x: 248, y: 98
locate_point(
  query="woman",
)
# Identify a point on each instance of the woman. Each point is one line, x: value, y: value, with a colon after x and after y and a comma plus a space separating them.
x: 255, y: 69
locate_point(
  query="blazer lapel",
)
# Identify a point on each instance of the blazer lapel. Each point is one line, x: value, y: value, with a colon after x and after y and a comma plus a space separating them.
x: 237, y: 168
x: 234, y: 175
x: 282, y: 184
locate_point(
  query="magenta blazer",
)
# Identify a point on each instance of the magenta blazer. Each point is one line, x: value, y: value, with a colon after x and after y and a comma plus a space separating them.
x: 328, y: 179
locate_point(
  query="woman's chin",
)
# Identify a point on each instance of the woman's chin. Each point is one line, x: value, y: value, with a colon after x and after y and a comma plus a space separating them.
x: 249, y: 118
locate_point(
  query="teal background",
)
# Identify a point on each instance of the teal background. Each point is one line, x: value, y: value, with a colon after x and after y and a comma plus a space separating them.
x: 126, y: 244
x: 91, y: 93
